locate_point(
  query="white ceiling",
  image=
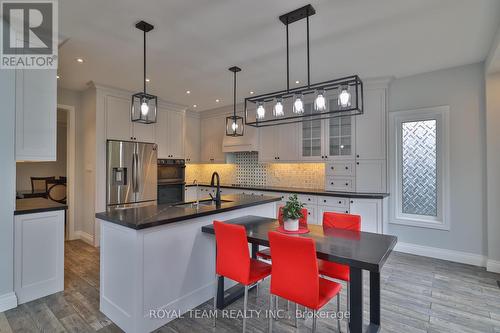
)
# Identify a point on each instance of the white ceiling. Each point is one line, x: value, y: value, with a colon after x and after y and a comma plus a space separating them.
x: 195, y: 41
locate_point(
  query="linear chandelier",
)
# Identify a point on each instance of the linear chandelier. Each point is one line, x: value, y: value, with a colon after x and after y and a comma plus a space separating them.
x: 328, y: 99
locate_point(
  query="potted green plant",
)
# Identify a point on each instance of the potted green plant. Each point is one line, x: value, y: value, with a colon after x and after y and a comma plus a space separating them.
x: 292, y: 212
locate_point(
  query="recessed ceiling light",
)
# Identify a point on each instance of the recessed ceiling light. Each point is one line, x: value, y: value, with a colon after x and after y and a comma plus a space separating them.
x: 251, y: 92
x: 80, y: 60
x: 217, y: 100
x: 297, y: 82
x: 188, y: 92
x: 147, y: 80
x: 58, y: 77
x: 195, y: 106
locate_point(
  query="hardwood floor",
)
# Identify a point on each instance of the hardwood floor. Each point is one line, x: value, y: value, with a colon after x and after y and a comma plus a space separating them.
x: 418, y: 295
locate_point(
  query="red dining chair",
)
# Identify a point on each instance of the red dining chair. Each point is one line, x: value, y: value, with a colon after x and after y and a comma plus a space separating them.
x: 295, y: 276
x: 266, y: 253
x: 333, y: 270
x: 233, y: 260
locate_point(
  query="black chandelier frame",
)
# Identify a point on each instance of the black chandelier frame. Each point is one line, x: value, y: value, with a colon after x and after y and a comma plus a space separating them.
x: 353, y: 83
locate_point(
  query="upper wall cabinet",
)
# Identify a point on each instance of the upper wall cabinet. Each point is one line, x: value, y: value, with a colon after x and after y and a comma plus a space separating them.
x: 371, y: 126
x: 192, y: 139
x: 118, y: 123
x: 170, y: 133
x: 278, y: 143
x: 213, y: 130
x: 326, y: 140
x: 36, y: 115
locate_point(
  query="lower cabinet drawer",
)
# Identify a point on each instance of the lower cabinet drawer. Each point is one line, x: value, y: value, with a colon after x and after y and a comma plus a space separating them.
x: 323, y: 209
x: 341, y: 203
x: 340, y: 184
x: 340, y: 169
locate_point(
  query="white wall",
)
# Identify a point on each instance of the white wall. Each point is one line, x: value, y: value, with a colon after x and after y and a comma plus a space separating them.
x: 25, y: 170
x: 462, y: 88
x: 7, y: 188
x: 493, y: 168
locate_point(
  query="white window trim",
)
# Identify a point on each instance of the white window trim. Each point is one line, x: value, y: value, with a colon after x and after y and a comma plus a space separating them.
x: 441, y: 115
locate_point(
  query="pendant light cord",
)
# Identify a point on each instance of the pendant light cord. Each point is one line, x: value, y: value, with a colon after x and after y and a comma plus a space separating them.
x: 234, y: 98
x: 287, y: 60
x: 308, y: 58
x: 144, y: 62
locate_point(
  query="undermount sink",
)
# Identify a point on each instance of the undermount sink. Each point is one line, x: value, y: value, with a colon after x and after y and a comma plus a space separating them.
x: 205, y: 203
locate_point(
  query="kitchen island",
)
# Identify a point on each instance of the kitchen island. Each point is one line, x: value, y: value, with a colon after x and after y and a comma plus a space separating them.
x: 156, y: 264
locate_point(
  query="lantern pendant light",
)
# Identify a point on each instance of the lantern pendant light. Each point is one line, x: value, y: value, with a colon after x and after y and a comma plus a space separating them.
x: 144, y: 105
x: 234, y: 123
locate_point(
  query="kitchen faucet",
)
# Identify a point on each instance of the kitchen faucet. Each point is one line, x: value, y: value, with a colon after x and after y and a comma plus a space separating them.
x: 217, y: 193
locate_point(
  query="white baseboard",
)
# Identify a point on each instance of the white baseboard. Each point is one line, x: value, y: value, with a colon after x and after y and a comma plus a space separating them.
x: 444, y: 254
x: 8, y: 301
x: 493, y: 266
x: 84, y: 236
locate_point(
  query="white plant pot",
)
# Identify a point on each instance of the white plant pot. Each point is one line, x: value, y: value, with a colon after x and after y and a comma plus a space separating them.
x: 291, y: 225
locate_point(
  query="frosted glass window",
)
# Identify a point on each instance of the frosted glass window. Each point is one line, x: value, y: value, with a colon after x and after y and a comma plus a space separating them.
x: 419, y: 168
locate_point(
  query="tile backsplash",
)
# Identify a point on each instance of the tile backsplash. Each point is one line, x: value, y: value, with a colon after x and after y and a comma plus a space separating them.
x: 248, y: 171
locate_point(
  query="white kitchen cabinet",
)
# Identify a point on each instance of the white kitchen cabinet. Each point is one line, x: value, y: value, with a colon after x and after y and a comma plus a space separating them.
x: 370, y: 211
x: 337, y: 209
x: 322, y: 140
x: 170, y: 134
x: 371, y: 125
x: 212, y: 132
x: 36, y: 115
x: 278, y: 143
x: 192, y: 139
x: 371, y: 176
x: 119, y: 126
x: 190, y: 193
x: 38, y: 255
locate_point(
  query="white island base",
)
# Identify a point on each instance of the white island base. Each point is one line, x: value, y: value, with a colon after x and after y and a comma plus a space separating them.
x: 170, y: 268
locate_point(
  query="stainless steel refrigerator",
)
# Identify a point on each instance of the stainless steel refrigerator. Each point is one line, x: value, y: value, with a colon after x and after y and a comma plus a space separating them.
x: 132, y: 172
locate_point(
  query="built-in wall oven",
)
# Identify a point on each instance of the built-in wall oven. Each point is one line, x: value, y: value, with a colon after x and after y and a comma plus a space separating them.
x: 171, y: 181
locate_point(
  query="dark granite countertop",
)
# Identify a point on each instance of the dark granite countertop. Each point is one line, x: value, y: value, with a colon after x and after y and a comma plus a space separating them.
x: 37, y: 205
x: 155, y: 215
x: 304, y: 191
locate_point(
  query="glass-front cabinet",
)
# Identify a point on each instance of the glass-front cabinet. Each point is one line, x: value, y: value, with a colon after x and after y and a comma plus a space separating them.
x: 340, y: 139
x: 327, y: 139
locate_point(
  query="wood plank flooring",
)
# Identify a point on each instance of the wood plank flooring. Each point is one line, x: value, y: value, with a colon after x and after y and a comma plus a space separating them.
x: 418, y: 295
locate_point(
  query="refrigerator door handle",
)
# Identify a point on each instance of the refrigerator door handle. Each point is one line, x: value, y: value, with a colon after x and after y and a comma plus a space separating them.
x: 136, y: 178
x: 134, y: 173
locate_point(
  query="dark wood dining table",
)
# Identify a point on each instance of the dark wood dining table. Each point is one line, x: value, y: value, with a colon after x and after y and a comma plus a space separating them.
x: 359, y: 250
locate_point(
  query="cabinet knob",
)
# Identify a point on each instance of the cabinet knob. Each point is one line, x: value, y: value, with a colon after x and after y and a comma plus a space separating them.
x: 309, y: 199
x: 331, y: 183
x: 352, y: 201
x: 347, y: 212
x: 340, y: 202
x: 346, y: 184
x: 357, y: 156
x: 324, y: 201
x: 357, y: 163
x: 347, y: 168
x: 333, y: 168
